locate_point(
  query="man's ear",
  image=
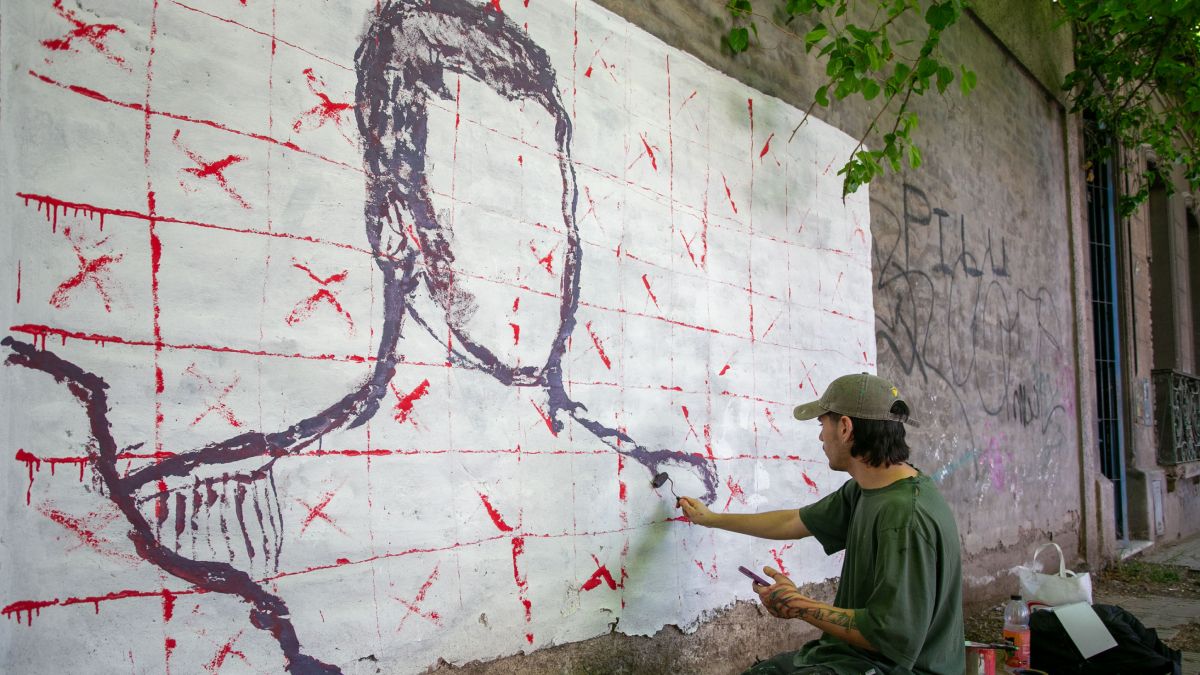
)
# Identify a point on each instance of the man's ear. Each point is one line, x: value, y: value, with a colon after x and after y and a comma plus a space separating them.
x: 846, y: 429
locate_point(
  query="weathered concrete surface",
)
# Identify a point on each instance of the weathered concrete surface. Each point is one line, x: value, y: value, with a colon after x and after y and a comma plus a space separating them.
x: 729, y: 642
x: 980, y: 295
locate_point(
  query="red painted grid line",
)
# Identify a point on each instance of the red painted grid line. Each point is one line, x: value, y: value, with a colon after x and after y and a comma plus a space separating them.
x: 148, y: 111
x: 52, y: 205
x: 714, y: 218
x: 42, y: 332
x: 29, y: 607
x: 671, y: 201
x: 434, y: 104
x: 268, y: 36
x: 55, y: 203
x: 29, y: 458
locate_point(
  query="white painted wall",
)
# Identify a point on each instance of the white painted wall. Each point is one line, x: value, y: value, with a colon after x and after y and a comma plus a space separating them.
x: 723, y: 281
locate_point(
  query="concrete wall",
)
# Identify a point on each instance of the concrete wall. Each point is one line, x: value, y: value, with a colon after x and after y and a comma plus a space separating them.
x: 1157, y: 300
x: 980, y: 315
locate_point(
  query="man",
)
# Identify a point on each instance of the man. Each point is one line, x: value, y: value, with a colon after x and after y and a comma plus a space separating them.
x: 898, y: 607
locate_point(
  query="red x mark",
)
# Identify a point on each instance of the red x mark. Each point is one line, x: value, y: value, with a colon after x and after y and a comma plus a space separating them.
x: 223, y: 653
x: 404, y: 402
x: 648, y: 151
x: 608, y: 67
x: 219, y: 406
x: 735, y: 492
x: 318, y: 511
x: 711, y: 570
x: 92, y: 33
x: 414, y: 607
x: 214, y: 170
x: 90, y: 269
x: 771, y: 420
x: 85, y: 528
x: 325, y: 111
x: 547, y: 260
x: 601, y: 575
x: 777, y: 554
x: 304, y: 308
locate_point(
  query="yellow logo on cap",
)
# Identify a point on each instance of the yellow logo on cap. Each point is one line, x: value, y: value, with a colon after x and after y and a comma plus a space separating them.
x: 895, y: 391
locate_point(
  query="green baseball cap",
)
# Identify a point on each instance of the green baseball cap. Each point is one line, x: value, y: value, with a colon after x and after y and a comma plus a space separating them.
x: 863, y: 395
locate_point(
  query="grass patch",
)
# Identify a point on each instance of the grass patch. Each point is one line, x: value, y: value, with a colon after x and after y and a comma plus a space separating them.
x: 1137, y: 571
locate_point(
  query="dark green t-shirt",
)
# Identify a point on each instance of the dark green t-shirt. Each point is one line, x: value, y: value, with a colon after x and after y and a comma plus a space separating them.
x: 902, y: 576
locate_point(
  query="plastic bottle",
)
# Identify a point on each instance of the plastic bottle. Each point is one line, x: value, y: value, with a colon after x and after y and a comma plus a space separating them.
x: 1016, y: 632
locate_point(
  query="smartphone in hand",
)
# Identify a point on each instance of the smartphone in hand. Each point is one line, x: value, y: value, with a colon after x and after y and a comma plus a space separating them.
x: 753, y: 577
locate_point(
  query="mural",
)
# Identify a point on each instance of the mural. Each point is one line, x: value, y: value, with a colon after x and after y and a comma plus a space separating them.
x: 588, y: 260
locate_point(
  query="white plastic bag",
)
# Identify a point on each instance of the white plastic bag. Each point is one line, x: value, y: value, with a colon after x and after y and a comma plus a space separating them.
x: 1053, y: 589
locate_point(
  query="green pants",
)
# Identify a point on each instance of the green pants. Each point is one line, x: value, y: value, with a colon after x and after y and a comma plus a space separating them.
x: 787, y: 663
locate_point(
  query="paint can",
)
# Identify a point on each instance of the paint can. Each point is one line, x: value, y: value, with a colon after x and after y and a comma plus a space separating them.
x: 981, y: 659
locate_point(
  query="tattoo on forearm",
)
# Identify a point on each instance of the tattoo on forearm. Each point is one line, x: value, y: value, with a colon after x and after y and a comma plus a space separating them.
x: 790, y: 605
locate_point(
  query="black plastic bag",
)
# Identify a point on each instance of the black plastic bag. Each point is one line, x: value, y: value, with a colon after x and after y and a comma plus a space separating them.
x: 1138, y: 648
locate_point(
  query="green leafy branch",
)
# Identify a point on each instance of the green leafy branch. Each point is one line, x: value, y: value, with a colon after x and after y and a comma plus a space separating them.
x: 1137, y: 72
x: 864, y: 61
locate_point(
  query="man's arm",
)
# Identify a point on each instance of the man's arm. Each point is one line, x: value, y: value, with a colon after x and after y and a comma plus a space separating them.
x: 783, y: 600
x: 785, y: 524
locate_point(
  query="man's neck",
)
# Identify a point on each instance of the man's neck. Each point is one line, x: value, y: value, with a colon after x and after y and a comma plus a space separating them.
x: 874, y: 477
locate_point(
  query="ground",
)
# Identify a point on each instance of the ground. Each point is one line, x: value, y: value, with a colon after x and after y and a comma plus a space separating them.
x: 1130, y: 578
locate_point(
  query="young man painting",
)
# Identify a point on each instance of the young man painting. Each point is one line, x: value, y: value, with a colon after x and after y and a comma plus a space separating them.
x: 898, y: 607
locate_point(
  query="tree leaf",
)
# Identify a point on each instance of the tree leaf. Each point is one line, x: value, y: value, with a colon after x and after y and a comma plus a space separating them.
x: 815, y: 35
x: 738, y: 39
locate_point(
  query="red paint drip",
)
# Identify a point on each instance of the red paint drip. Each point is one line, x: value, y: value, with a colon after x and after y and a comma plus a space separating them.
x: 599, y: 346
x: 496, y: 6
x: 27, y: 607
x: 518, y: 549
x: 32, y: 463
x: 516, y: 304
x: 404, y: 404
x: 724, y: 370
x: 18, y: 282
x: 497, y: 519
x: 516, y: 332
x: 168, y: 605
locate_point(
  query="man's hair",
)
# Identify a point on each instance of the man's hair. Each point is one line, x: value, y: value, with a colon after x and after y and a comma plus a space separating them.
x: 876, y: 442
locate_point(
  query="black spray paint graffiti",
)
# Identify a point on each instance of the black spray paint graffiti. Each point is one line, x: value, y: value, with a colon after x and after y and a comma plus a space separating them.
x: 409, y: 49
x: 959, y: 316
